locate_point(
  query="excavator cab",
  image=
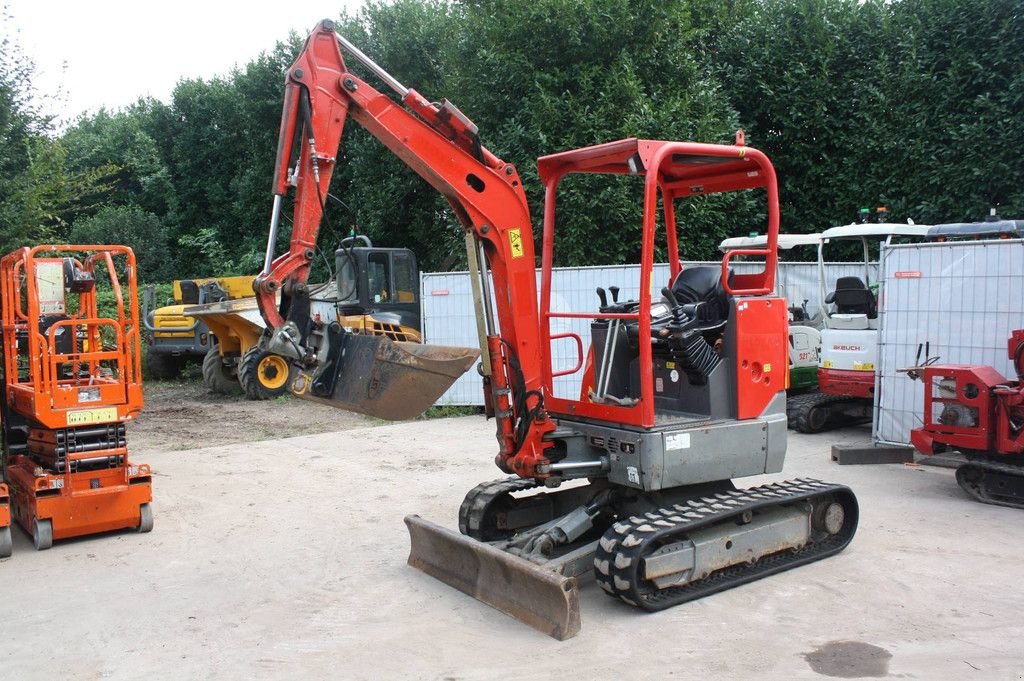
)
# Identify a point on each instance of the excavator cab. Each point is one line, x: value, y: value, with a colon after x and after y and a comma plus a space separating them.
x: 708, y: 342
x: 378, y: 289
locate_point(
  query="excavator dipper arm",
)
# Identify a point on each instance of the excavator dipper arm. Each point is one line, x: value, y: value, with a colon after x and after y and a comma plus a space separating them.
x: 441, y: 145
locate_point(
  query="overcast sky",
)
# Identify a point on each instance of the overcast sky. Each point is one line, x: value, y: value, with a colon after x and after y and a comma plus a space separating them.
x: 108, y: 53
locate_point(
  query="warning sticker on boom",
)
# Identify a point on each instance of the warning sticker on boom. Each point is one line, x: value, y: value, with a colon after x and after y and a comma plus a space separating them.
x: 515, y: 242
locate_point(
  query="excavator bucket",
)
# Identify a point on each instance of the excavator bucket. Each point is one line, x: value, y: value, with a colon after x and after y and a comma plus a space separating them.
x: 379, y: 377
x: 533, y: 594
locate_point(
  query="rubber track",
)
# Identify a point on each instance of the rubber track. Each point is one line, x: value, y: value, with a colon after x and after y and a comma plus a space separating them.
x: 798, y: 408
x: 620, y: 551
x: 475, y: 507
x: 983, y: 493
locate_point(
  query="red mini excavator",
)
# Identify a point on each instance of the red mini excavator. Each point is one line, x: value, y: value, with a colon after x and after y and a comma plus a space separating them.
x: 978, y: 412
x: 683, y: 388
x: 72, y: 379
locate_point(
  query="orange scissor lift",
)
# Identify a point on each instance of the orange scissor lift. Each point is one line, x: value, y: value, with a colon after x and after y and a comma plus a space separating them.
x: 72, y: 379
x: 5, y: 522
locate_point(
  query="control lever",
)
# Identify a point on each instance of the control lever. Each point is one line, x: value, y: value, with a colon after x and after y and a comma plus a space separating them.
x: 668, y: 293
x: 678, y: 313
x: 603, y: 297
x: 614, y: 290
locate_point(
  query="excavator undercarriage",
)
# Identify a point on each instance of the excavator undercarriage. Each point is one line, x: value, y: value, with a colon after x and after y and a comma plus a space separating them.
x: 643, y: 550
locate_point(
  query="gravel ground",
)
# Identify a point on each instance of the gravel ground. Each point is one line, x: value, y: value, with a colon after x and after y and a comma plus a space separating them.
x: 285, y: 559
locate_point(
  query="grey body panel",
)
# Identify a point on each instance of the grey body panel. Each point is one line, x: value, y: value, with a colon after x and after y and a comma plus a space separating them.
x: 687, y: 445
x: 683, y: 450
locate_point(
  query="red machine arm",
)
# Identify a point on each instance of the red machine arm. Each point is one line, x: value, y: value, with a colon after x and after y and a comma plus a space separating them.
x: 441, y: 145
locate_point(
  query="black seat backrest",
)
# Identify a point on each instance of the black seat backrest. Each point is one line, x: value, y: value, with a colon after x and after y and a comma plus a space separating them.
x: 852, y: 296
x: 703, y: 284
x: 189, y: 292
x: 212, y: 292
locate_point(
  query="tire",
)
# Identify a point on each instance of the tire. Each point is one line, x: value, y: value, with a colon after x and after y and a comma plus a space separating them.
x: 42, y: 534
x: 162, y: 367
x: 218, y: 377
x: 264, y: 375
x: 6, y: 543
x: 145, y: 518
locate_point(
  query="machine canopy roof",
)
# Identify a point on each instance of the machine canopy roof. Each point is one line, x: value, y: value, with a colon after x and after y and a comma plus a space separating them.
x: 689, y: 168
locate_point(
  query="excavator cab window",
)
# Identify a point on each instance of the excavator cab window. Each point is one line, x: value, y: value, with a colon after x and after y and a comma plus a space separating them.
x: 405, y: 278
x: 348, y: 280
x: 378, y: 274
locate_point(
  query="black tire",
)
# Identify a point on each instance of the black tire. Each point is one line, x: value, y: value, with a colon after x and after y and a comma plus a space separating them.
x: 217, y: 376
x: 6, y: 545
x: 42, y: 534
x: 145, y: 518
x: 264, y: 375
x: 162, y: 367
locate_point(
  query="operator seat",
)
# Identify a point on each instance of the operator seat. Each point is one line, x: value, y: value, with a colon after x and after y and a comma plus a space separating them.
x: 703, y: 284
x: 695, y: 349
x: 852, y: 296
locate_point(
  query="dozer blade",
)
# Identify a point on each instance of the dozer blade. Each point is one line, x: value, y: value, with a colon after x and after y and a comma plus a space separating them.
x: 379, y: 377
x: 537, y: 596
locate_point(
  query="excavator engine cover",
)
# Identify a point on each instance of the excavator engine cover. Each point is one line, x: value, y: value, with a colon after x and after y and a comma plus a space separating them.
x: 379, y: 377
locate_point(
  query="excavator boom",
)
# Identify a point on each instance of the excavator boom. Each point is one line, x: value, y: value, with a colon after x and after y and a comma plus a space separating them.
x: 371, y: 375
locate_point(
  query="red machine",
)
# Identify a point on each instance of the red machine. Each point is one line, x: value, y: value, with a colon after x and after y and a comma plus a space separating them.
x: 6, y: 544
x: 976, y: 411
x: 72, y: 379
x: 681, y: 392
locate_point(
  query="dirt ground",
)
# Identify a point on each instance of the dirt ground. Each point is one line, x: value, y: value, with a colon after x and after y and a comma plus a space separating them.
x: 184, y: 414
x: 286, y: 558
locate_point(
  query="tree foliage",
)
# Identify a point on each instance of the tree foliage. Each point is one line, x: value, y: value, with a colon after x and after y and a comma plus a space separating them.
x: 39, y: 193
x: 130, y: 226
x: 906, y: 103
x: 912, y: 103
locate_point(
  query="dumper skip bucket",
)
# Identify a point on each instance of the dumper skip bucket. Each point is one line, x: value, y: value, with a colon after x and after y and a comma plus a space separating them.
x: 379, y: 377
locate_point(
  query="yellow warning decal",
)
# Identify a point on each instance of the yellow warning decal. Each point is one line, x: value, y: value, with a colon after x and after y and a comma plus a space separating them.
x: 515, y: 241
x: 768, y: 368
x: 89, y: 416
